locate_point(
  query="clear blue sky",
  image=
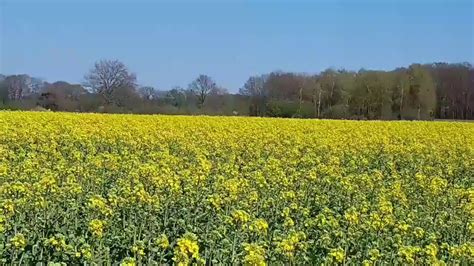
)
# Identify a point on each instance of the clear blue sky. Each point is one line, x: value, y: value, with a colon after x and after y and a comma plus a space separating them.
x: 170, y: 43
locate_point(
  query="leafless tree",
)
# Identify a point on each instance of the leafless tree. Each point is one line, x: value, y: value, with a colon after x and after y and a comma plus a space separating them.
x: 255, y: 88
x: 18, y: 86
x: 107, y: 76
x: 201, y: 87
x: 147, y: 92
x: 219, y: 91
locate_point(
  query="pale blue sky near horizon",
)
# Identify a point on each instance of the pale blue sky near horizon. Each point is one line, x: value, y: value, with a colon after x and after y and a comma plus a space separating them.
x: 169, y: 43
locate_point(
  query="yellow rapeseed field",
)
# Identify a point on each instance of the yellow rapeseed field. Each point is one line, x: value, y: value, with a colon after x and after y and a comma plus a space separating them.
x: 130, y: 189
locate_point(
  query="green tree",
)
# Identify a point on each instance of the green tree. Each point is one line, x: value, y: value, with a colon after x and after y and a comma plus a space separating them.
x: 421, y: 97
x: 371, y: 96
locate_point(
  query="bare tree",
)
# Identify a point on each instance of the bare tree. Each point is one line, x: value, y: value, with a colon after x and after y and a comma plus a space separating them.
x: 328, y: 83
x: 108, y: 76
x: 219, y: 91
x: 18, y: 86
x: 36, y: 85
x: 255, y: 88
x: 147, y: 92
x: 201, y: 87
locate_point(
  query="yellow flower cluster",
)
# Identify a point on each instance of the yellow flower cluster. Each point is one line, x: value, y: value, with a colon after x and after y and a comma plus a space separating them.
x: 96, y: 227
x: 240, y: 217
x: 97, y: 189
x: 254, y: 255
x: 337, y: 255
x: 259, y: 226
x: 18, y: 241
x: 291, y: 244
x: 187, y: 250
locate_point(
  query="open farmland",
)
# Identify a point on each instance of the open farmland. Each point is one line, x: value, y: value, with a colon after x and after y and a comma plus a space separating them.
x: 106, y: 189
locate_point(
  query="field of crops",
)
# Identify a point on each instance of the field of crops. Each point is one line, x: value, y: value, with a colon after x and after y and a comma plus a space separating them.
x: 90, y: 188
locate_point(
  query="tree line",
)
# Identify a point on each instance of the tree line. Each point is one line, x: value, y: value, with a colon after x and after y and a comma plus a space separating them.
x: 419, y: 91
